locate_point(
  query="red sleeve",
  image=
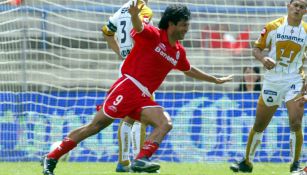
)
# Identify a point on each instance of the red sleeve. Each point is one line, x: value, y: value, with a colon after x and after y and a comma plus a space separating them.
x: 149, y: 32
x: 183, y: 63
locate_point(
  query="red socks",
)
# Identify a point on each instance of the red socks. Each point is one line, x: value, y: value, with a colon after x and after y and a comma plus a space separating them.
x: 67, y: 144
x: 148, y: 149
x: 64, y: 148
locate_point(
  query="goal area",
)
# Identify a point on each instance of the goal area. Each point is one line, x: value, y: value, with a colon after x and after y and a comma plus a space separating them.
x: 55, y: 67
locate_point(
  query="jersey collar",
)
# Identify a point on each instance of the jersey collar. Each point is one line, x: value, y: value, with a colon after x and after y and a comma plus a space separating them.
x: 286, y: 21
x: 165, y: 39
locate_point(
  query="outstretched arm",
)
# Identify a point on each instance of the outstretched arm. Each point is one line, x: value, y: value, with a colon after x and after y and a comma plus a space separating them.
x: 200, y: 75
x: 134, y: 11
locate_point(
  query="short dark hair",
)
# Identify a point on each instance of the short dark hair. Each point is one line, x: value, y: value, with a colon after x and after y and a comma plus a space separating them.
x: 174, y: 14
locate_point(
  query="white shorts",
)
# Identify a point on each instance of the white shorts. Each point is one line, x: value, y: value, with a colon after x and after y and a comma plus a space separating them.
x: 281, y: 87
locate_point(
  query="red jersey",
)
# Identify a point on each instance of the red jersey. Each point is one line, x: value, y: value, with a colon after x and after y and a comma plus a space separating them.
x: 152, y: 57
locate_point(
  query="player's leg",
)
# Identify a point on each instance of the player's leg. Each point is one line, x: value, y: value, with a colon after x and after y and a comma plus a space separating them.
x: 296, y: 112
x: 264, y: 115
x: 302, y: 100
x: 138, y: 133
x: 99, y: 122
x: 130, y: 132
x: 124, y: 142
x: 162, y: 124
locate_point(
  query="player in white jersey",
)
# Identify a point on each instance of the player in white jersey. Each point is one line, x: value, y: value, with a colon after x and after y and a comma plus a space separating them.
x: 117, y: 34
x: 284, y: 80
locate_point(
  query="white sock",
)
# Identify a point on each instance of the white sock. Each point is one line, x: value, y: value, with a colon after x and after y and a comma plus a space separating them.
x: 256, y: 141
x: 124, y: 139
x: 292, y: 144
x: 136, y: 138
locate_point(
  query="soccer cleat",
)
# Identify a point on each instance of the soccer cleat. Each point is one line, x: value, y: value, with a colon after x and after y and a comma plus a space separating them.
x: 241, y: 166
x: 48, y: 165
x: 120, y: 168
x: 295, y: 167
x: 156, y: 171
x: 145, y: 165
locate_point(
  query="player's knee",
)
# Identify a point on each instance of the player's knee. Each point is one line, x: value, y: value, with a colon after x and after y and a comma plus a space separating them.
x: 169, y: 121
x: 170, y: 126
x: 128, y: 120
x: 167, y: 126
x: 296, y: 126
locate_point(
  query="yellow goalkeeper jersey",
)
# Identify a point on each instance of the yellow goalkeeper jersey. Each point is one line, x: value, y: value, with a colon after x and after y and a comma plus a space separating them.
x: 286, y: 45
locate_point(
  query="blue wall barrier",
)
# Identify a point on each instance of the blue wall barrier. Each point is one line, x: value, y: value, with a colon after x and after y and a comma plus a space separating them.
x: 214, y: 126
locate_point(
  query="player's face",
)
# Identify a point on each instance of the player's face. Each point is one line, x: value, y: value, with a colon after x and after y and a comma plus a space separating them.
x: 181, y: 29
x: 297, y: 9
x: 250, y: 75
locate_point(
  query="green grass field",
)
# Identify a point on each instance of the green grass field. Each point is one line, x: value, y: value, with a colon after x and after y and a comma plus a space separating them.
x: 67, y: 168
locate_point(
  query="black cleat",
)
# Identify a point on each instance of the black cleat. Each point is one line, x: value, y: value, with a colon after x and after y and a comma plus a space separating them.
x: 145, y: 165
x: 295, y: 167
x: 241, y: 166
x: 48, y: 165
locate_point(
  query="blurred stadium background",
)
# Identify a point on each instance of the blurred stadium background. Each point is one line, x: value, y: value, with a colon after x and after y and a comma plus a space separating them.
x: 55, y: 67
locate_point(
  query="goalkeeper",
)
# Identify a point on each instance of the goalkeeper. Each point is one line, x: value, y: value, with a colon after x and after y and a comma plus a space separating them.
x: 155, y: 53
x: 120, y: 25
x: 283, y: 81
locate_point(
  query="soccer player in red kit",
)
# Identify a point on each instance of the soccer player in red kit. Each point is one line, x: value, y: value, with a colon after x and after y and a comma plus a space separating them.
x: 155, y: 53
x: 116, y: 33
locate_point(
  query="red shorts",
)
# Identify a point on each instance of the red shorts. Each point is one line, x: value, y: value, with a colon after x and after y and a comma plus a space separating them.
x: 126, y: 99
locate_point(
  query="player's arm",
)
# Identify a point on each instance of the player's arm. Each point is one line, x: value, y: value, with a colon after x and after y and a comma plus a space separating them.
x: 134, y: 11
x: 109, y: 36
x: 304, y: 88
x: 267, y: 62
x: 200, y: 75
x: 302, y: 99
x: 261, y: 43
x: 112, y: 43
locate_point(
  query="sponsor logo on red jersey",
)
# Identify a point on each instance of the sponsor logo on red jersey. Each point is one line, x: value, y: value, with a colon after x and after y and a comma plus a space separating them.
x: 162, y: 46
x: 162, y: 53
